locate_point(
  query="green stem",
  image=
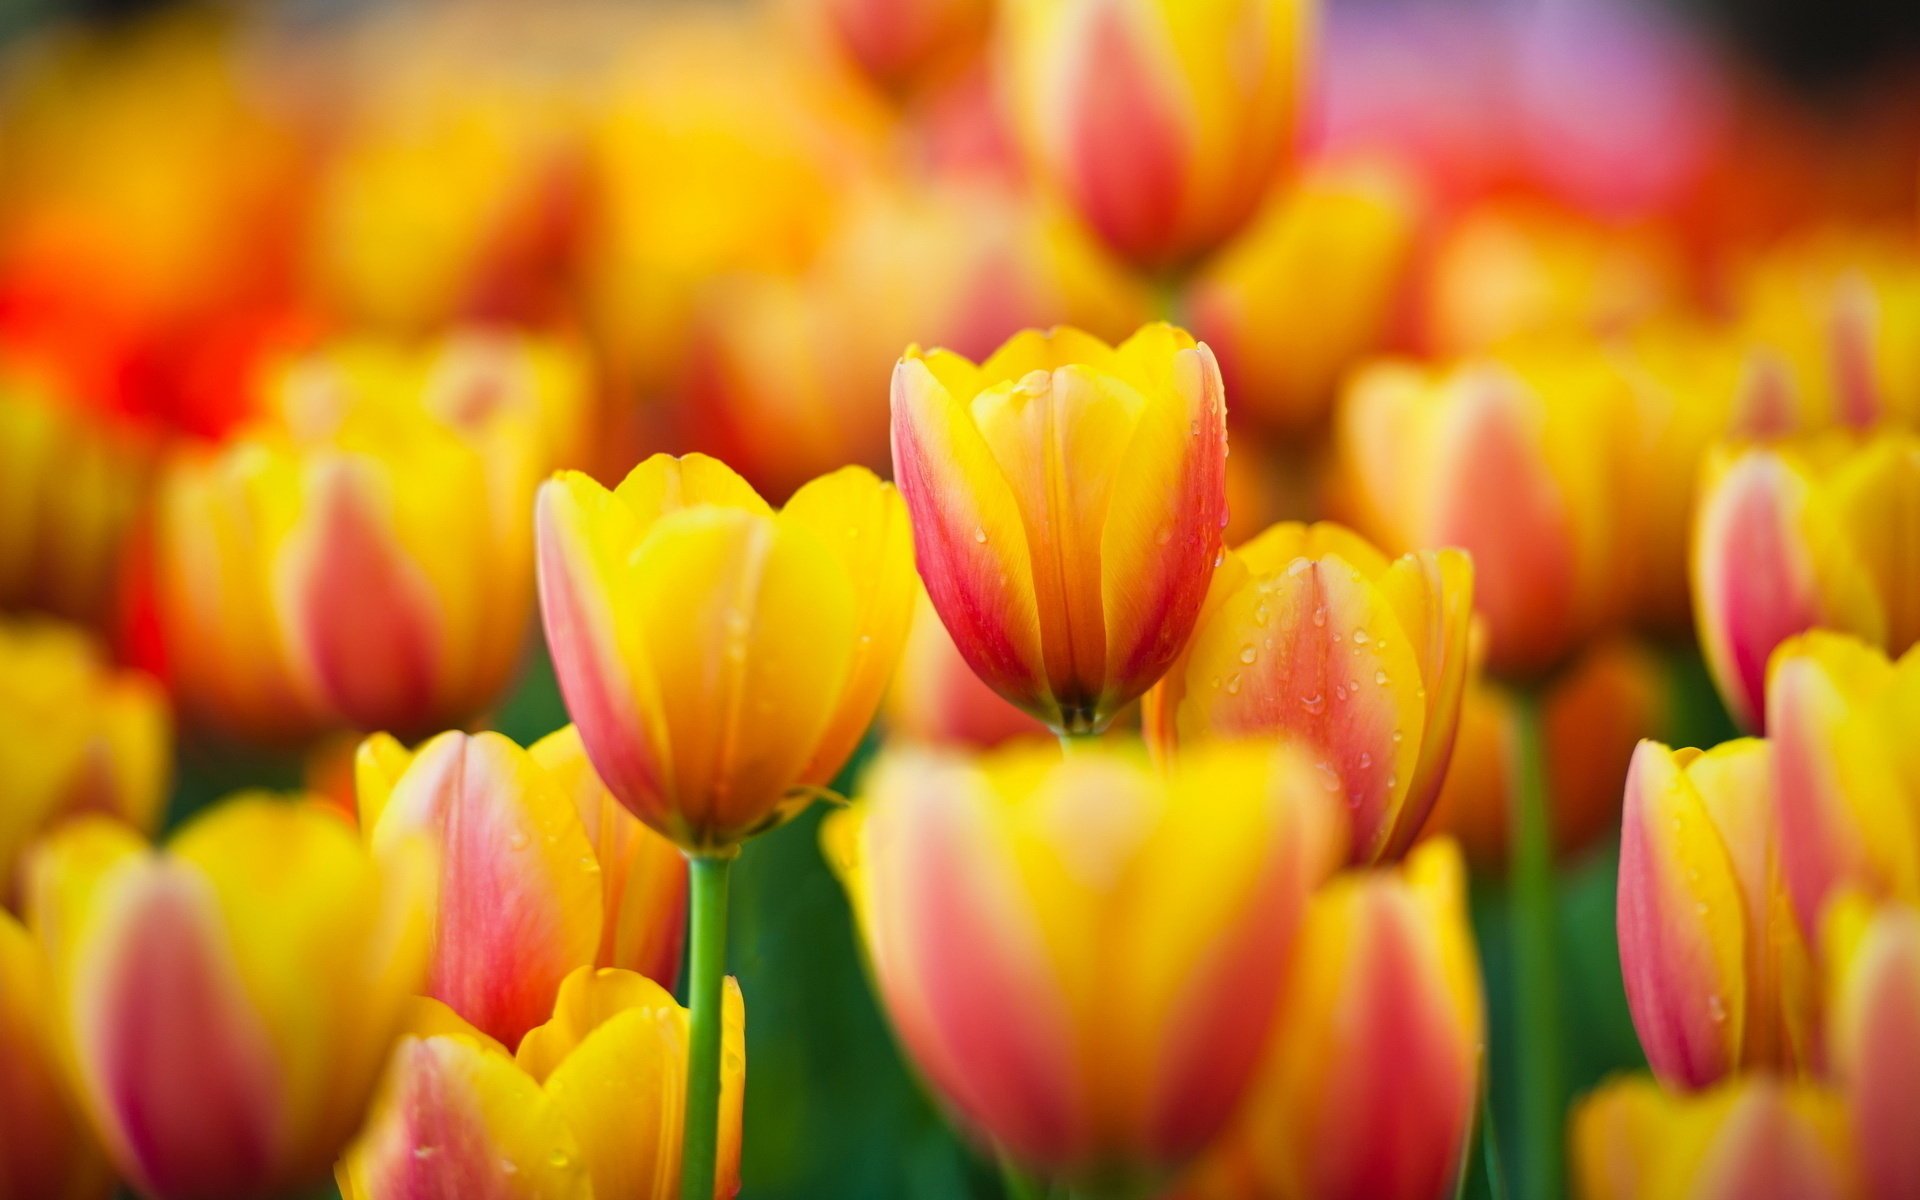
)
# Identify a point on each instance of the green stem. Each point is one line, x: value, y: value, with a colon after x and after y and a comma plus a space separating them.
x: 1018, y: 1184
x: 1536, y: 975
x: 700, y: 1136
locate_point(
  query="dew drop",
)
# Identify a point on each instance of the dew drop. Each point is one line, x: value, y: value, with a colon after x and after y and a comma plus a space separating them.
x: 1193, y: 427
x: 1380, y: 677
x: 517, y: 840
x: 425, y: 1152
x: 1320, y: 614
x: 1315, y: 703
x: 1359, y: 637
x: 1366, y: 760
x: 509, y: 1167
x: 1398, y: 737
x: 1329, y: 778
x: 1164, y: 536
x: 1219, y: 556
x: 1261, y: 614
x: 1717, y: 1009
x: 1216, y: 683
x: 1233, y: 684
x: 1248, y: 653
x: 1393, y: 780
x: 1339, y: 691
x: 980, y: 534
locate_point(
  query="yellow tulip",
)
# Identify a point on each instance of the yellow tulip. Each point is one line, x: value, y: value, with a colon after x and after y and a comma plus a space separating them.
x: 1161, y: 122
x: 1084, y: 956
x: 76, y: 737
x: 1752, y: 1138
x: 48, y: 1152
x: 1312, y: 634
x: 226, y: 1003
x: 1872, y: 958
x: 721, y: 659
x: 1067, y: 502
x: 540, y: 871
x: 1812, y: 534
x: 589, y: 1108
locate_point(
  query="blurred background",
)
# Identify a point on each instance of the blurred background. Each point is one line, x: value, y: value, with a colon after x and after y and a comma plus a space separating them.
x: 715, y: 226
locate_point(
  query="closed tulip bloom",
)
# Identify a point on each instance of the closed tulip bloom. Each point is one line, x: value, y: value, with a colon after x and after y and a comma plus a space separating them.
x: 227, y: 1002
x: 1717, y: 974
x: 1370, y: 1088
x: 588, y: 1108
x: 898, y: 43
x: 76, y: 736
x: 1311, y: 633
x: 1798, y: 536
x: 537, y: 876
x: 721, y: 659
x: 937, y: 700
x: 49, y: 1153
x: 1751, y: 1138
x: 1083, y: 956
x: 1067, y: 502
x: 1312, y: 288
x: 1846, y: 785
x: 1161, y: 122
x: 1514, y: 460
x: 1873, y: 1035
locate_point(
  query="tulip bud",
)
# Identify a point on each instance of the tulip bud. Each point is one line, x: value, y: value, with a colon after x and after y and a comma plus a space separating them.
x: 1798, y: 537
x: 1717, y: 975
x: 937, y: 700
x: 75, y: 737
x: 1873, y: 1035
x: 1310, y: 632
x: 589, y: 1106
x: 720, y: 659
x: 1161, y: 122
x: 1841, y: 717
x: 1752, y: 1138
x: 898, y: 43
x: 1083, y: 956
x: 48, y: 1153
x: 525, y: 897
x: 1512, y: 460
x: 1069, y: 596
x: 228, y: 1001
x: 1381, y: 1036
x: 1310, y: 290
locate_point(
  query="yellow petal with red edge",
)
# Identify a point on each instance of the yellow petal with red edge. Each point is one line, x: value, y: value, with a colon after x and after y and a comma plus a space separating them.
x: 1876, y: 497
x: 969, y: 537
x: 1432, y: 594
x: 864, y: 523
x: 1615, y: 1131
x: 65, y: 881
x: 744, y: 668
x: 664, y: 484
x: 1873, y: 1035
x: 519, y: 895
x: 49, y: 1151
x: 457, y: 1117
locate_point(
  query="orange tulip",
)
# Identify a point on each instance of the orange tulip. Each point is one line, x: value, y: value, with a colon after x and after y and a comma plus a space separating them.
x: 1370, y: 1087
x: 1069, y: 597
x: 1311, y: 633
x: 721, y: 660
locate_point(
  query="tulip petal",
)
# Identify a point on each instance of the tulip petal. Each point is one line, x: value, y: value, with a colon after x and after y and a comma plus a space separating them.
x: 1432, y: 594
x: 1873, y: 1036
x: 48, y: 1151
x: 664, y: 484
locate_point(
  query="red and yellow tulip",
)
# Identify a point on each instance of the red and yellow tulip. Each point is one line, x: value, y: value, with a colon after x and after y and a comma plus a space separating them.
x: 541, y: 872
x: 937, y: 700
x: 226, y: 1003
x: 1371, y: 1085
x: 1840, y: 716
x: 1083, y: 956
x: 1069, y: 594
x: 1311, y: 633
x: 1752, y: 1138
x: 901, y: 43
x: 721, y: 659
x: 49, y: 1153
x: 1128, y: 113
x: 76, y: 737
x: 589, y: 1106
x: 1717, y: 974
x: 1804, y: 535
x: 1872, y: 1013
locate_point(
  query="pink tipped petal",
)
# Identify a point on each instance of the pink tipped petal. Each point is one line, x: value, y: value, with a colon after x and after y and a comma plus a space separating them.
x: 1875, y: 1037
x: 1820, y: 845
x: 1769, y: 1148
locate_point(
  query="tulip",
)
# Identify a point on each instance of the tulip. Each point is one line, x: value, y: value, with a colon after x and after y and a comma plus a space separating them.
x: 414, y: 487
x: 1873, y: 1035
x: 76, y: 737
x: 898, y: 43
x: 75, y: 484
x: 1161, y: 122
x: 541, y: 873
x: 1310, y: 632
x: 1752, y: 1138
x: 937, y: 700
x: 718, y: 658
x: 1592, y: 717
x: 1802, y: 536
x: 226, y: 1003
x: 1311, y: 289
x: 590, y: 1105
x: 1717, y: 975
x: 1083, y: 956
x: 48, y: 1153
x: 1069, y: 597
x: 1370, y: 1087
x: 1840, y: 712
x: 1514, y: 461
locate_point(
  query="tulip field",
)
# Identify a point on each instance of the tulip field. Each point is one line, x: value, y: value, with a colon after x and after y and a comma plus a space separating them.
x: 959, y: 600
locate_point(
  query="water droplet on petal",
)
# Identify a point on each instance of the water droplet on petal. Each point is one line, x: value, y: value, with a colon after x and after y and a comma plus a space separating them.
x: 1366, y: 760
x: 1380, y: 677
x: 1315, y: 703
x: 425, y: 1152
x: 1398, y: 737
x: 1164, y: 536
x: 1359, y: 637
x: 1233, y: 684
x: 1248, y: 653
x: 980, y: 534
x: 517, y: 840
x: 1320, y: 614
x: 1717, y: 1009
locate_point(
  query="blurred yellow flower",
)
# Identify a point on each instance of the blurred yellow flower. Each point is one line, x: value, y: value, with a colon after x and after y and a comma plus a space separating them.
x: 49, y: 1152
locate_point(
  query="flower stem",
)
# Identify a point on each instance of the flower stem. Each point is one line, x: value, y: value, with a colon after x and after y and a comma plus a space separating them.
x: 1536, y: 975
x: 700, y: 1137
x: 1018, y: 1184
